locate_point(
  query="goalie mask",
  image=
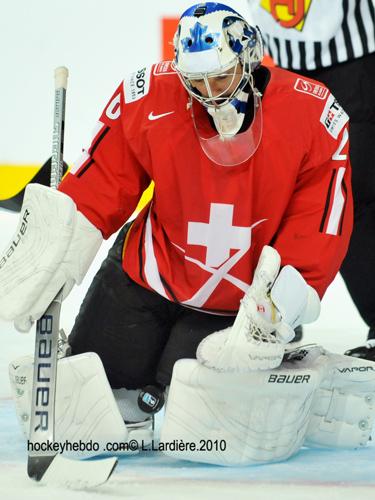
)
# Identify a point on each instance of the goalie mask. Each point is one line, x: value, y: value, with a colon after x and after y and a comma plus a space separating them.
x: 216, y: 52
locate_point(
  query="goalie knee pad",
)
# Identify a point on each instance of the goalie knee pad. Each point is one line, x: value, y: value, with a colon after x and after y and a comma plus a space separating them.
x: 85, y: 410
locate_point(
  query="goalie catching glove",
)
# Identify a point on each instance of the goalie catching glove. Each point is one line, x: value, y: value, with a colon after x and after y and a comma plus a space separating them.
x: 273, y: 306
x: 53, y: 247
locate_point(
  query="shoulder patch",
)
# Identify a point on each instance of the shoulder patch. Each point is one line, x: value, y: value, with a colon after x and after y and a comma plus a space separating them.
x: 311, y: 88
x: 333, y: 117
x: 164, y: 68
x: 137, y: 85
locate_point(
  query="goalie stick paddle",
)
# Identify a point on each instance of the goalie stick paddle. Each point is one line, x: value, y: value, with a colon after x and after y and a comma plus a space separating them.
x: 44, y: 463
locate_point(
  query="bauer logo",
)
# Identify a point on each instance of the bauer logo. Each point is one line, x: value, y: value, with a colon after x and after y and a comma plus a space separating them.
x: 137, y: 85
x: 288, y: 379
x: 44, y: 373
x: 16, y: 240
x: 333, y: 117
x: 311, y: 88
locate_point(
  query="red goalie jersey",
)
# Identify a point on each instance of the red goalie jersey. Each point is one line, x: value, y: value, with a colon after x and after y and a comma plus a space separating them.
x: 199, y: 239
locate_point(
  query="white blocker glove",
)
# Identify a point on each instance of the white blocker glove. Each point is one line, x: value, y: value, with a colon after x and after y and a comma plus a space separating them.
x: 273, y: 306
x: 53, y: 247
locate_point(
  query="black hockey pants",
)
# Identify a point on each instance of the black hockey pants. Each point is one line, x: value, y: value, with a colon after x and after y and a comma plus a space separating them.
x: 138, y: 334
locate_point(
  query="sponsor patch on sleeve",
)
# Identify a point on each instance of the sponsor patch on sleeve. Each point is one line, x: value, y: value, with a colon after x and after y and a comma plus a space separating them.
x: 137, y: 85
x: 311, y: 88
x: 333, y: 117
x: 164, y: 68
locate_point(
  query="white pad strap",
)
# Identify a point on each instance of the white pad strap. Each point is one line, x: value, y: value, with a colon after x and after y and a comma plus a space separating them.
x: 53, y: 246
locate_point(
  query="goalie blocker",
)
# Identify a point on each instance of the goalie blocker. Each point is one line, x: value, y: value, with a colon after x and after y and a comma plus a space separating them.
x: 53, y: 247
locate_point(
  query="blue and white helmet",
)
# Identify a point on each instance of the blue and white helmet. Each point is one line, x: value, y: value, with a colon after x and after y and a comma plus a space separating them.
x: 214, y: 43
x: 211, y: 39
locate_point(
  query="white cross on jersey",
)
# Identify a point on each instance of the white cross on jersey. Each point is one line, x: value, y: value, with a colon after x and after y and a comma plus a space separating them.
x: 220, y: 236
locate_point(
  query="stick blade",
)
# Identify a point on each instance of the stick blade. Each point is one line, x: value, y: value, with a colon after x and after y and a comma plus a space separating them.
x: 37, y: 466
x: 76, y: 474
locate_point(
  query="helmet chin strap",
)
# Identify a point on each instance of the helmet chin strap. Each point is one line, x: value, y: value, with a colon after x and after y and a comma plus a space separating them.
x: 229, y: 117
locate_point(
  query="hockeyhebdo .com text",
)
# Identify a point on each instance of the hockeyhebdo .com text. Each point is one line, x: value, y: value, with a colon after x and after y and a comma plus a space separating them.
x: 131, y: 446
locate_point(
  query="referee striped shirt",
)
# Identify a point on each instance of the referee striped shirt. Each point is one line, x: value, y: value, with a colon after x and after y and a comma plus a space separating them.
x: 312, y: 34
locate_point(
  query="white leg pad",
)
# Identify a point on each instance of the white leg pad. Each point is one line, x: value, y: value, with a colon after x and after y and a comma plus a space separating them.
x: 85, y: 409
x: 343, y: 412
x: 259, y: 416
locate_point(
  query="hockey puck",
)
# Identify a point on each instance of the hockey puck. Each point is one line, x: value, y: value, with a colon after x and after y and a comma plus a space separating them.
x: 151, y: 399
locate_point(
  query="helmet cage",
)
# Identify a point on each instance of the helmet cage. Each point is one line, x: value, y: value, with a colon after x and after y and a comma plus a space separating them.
x: 217, y: 100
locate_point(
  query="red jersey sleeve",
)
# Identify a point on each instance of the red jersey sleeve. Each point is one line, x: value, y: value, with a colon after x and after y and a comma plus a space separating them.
x: 108, y: 180
x: 316, y: 227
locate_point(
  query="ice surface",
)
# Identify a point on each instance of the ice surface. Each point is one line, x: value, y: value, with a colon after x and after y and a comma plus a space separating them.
x: 311, y: 474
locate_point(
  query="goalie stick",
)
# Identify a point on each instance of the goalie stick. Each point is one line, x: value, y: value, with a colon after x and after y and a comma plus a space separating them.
x: 44, y: 464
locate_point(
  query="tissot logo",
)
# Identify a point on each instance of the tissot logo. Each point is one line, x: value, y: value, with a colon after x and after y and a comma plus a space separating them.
x: 137, y: 85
